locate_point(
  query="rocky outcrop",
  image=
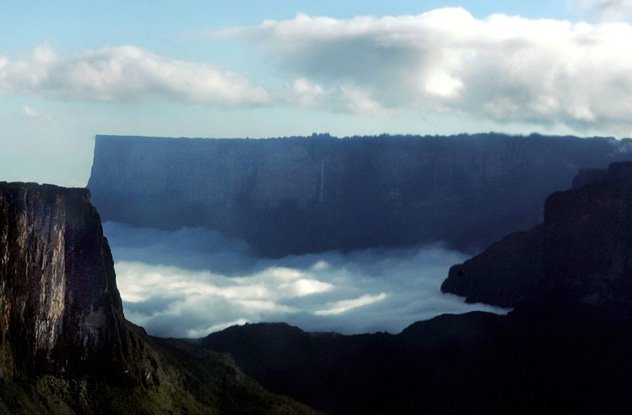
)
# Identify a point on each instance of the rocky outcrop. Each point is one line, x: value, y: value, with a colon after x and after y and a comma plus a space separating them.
x: 65, y: 346
x: 297, y: 195
x: 583, y: 250
x: 587, y: 239
x: 504, y: 274
x: 60, y: 309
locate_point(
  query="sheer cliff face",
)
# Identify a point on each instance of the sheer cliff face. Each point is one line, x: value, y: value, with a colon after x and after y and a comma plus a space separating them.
x: 302, y: 195
x: 65, y: 346
x: 582, y: 251
x: 587, y: 239
x: 58, y: 294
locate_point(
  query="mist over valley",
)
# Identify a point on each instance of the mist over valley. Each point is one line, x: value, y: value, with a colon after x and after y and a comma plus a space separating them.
x: 190, y: 282
x: 351, y: 235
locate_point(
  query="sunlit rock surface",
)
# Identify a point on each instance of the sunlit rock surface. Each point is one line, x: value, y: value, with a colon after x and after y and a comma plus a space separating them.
x: 60, y: 309
x: 65, y: 346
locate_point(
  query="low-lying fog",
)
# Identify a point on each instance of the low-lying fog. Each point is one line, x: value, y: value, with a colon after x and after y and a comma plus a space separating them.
x: 190, y: 282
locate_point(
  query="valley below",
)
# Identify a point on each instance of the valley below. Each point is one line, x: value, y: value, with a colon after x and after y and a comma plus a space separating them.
x: 190, y: 282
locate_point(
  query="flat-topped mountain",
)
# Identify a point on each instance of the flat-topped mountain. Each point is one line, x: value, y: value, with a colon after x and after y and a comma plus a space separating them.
x: 297, y: 195
x: 65, y: 346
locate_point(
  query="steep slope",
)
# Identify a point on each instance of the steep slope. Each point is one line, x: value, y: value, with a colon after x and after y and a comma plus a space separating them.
x: 582, y: 250
x: 571, y: 359
x: 298, y: 195
x: 61, y: 310
x: 65, y: 346
x: 504, y: 274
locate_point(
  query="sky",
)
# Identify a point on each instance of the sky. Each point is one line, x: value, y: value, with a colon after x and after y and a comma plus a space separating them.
x: 72, y: 69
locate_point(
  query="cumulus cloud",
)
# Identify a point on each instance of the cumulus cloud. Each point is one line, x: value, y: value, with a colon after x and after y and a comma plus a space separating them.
x: 605, y: 9
x: 500, y: 68
x: 30, y: 112
x: 190, y: 282
x: 124, y: 73
x: 503, y: 68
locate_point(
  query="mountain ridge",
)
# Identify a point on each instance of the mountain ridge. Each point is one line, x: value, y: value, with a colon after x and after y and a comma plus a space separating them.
x: 299, y: 195
x: 564, y: 358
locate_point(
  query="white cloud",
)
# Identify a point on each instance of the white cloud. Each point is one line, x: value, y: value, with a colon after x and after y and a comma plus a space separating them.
x: 30, y: 112
x: 125, y: 73
x: 305, y: 93
x: 501, y: 68
x: 604, y: 9
x: 340, y: 307
x: 192, y: 281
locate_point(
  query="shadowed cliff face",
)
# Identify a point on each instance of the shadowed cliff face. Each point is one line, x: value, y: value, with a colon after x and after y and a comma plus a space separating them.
x: 504, y: 274
x: 587, y: 239
x: 565, y: 348
x: 299, y: 195
x: 582, y: 251
x: 58, y: 294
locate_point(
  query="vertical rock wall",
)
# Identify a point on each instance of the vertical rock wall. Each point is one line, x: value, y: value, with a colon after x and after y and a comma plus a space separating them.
x: 297, y: 195
x: 60, y: 309
x: 582, y: 251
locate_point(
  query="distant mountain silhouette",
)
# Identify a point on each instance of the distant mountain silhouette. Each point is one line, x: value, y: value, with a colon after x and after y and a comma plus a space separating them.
x: 563, y: 359
x: 298, y: 195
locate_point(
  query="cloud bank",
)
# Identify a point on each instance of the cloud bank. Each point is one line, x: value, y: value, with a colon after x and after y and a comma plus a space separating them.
x: 503, y: 68
x: 499, y: 69
x: 606, y: 10
x: 191, y: 282
x: 124, y: 73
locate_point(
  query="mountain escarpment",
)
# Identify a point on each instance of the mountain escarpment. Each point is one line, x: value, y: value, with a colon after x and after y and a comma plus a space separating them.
x: 65, y: 346
x: 60, y: 308
x: 582, y: 250
x: 297, y: 195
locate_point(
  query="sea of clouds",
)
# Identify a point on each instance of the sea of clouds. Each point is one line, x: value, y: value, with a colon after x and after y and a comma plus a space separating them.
x: 190, y: 282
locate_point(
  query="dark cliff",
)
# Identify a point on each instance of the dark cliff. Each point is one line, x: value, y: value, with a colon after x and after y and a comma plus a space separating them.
x: 60, y: 308
x: 65, y: 346
x: 583, y: 249
x: 298, y: 195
